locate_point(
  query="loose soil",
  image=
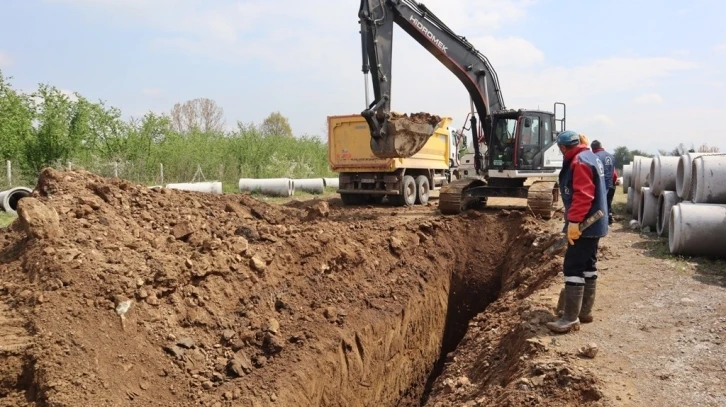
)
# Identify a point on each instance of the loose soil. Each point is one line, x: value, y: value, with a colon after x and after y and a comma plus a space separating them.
x: 113, y: 294
x: 406, y: 135
x: 657, y: 339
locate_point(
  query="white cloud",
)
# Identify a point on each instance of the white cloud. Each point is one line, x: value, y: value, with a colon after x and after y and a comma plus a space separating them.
x: 151, y: 91
x: 313, y: 51
x: 6, y: 60
x: 649, y: 99
x: 720, y: 47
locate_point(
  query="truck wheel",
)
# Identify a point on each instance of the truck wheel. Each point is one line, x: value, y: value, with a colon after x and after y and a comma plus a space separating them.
x: 422, y: 190
x: 407, y: 196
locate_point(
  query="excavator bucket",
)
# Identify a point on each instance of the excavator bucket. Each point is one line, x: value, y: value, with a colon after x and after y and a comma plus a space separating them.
x: 405, y: 135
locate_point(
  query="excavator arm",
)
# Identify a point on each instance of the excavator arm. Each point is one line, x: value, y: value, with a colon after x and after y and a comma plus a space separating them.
x: 455, y: 52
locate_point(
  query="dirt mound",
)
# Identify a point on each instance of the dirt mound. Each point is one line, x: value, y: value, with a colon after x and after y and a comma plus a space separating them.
x: 420, y: 118
x: 117, y: 294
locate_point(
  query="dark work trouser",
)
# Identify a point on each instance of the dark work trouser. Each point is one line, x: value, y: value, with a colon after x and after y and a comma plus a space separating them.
x: 611, y: 195
x: 581, y: 261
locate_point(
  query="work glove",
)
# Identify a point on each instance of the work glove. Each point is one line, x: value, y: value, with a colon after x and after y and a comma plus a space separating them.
x: 573, y: 232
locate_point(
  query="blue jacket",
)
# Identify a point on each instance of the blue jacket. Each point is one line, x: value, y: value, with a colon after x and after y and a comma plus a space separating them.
x: 608, y: 162
x: 582, y: 186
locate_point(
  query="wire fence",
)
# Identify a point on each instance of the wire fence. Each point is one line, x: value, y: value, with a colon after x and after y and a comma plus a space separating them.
x: 229, y: 175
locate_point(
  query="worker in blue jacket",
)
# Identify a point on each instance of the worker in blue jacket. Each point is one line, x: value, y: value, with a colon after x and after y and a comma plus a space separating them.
x: 611, y: 176
x: 582, y: 187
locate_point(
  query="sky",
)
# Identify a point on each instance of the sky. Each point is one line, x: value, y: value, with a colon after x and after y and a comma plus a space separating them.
x: 645, y: 74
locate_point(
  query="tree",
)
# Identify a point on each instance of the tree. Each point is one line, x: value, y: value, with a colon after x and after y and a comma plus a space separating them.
x: 276, y: 125
x: 662, y: 152
x: 52, y: 140
x: 199, y: 114
x: 633, y: 153
x: 622, y: 156
x: 16, y: 120
x: 679, y: 150
x: 704, y: 148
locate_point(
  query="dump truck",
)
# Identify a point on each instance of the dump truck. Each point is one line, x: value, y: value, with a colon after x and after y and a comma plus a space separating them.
x: 366, y: 178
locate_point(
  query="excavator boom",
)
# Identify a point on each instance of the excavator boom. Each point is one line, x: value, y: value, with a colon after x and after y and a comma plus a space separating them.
x: 393, y: 136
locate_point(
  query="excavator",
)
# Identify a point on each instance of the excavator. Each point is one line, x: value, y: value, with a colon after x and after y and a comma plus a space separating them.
x: 510, y: 146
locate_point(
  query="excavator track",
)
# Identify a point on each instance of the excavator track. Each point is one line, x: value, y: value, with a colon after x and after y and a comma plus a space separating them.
x: 542, y: 198
x: 453, y: 198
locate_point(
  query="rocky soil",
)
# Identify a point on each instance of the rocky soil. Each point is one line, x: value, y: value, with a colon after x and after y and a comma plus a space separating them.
x: 117, y: 294
x: 114, y: 294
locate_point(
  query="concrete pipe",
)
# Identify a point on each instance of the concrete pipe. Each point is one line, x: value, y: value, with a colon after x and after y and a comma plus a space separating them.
x: 629, y: 201
x: 331, y: 182
x: 697, y: 230
x: 666, y: 200
x: 268, y: 186
x: 312, y: 185
x: 635, y: 205
x: 207, y: 187
x: 627, y: 173
x: 662, y: 175
x: 9, y: 199
x: 647, y: 209
x: 708, y: 179
x: 683, y: 174
x: 640, y: 178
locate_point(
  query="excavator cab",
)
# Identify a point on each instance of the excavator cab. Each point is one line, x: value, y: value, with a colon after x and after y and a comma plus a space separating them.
x: 522, y: 140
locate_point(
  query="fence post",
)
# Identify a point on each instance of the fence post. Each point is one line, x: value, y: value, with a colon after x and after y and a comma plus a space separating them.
x: 70, y: 166
x: 115, y: 169
x: 9, y: 168
x: 161, y: 173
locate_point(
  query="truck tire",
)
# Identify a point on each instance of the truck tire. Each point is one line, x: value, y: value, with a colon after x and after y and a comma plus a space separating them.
x: 423, y: 190
x: 407, y: 195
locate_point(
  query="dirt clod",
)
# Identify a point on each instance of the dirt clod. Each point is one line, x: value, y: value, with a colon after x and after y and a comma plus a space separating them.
x: 588, y: 351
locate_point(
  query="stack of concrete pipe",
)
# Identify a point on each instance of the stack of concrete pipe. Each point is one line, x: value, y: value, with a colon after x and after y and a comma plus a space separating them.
x: 635, y: 177
x: 627, y: 173
x: 9, y: 198
x: 685, y: 199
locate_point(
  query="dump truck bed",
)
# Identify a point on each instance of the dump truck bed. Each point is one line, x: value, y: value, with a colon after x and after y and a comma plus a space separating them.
x: 349, y: 148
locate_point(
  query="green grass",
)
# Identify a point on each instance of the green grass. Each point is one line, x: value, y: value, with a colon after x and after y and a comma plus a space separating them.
x: 6, y: 219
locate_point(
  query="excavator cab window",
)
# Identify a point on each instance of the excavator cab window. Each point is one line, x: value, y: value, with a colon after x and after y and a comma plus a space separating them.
x: 529, y: 140
x: 503, y: 149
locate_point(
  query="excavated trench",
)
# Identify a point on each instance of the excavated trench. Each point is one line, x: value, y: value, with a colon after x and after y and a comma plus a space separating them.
x: 396, y: 361
x: 245, y: 303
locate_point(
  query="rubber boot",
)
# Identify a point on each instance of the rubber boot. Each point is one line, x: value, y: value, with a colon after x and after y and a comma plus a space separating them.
x: 573, y: 304
x: 561, y: 303
x: 588, y: 300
